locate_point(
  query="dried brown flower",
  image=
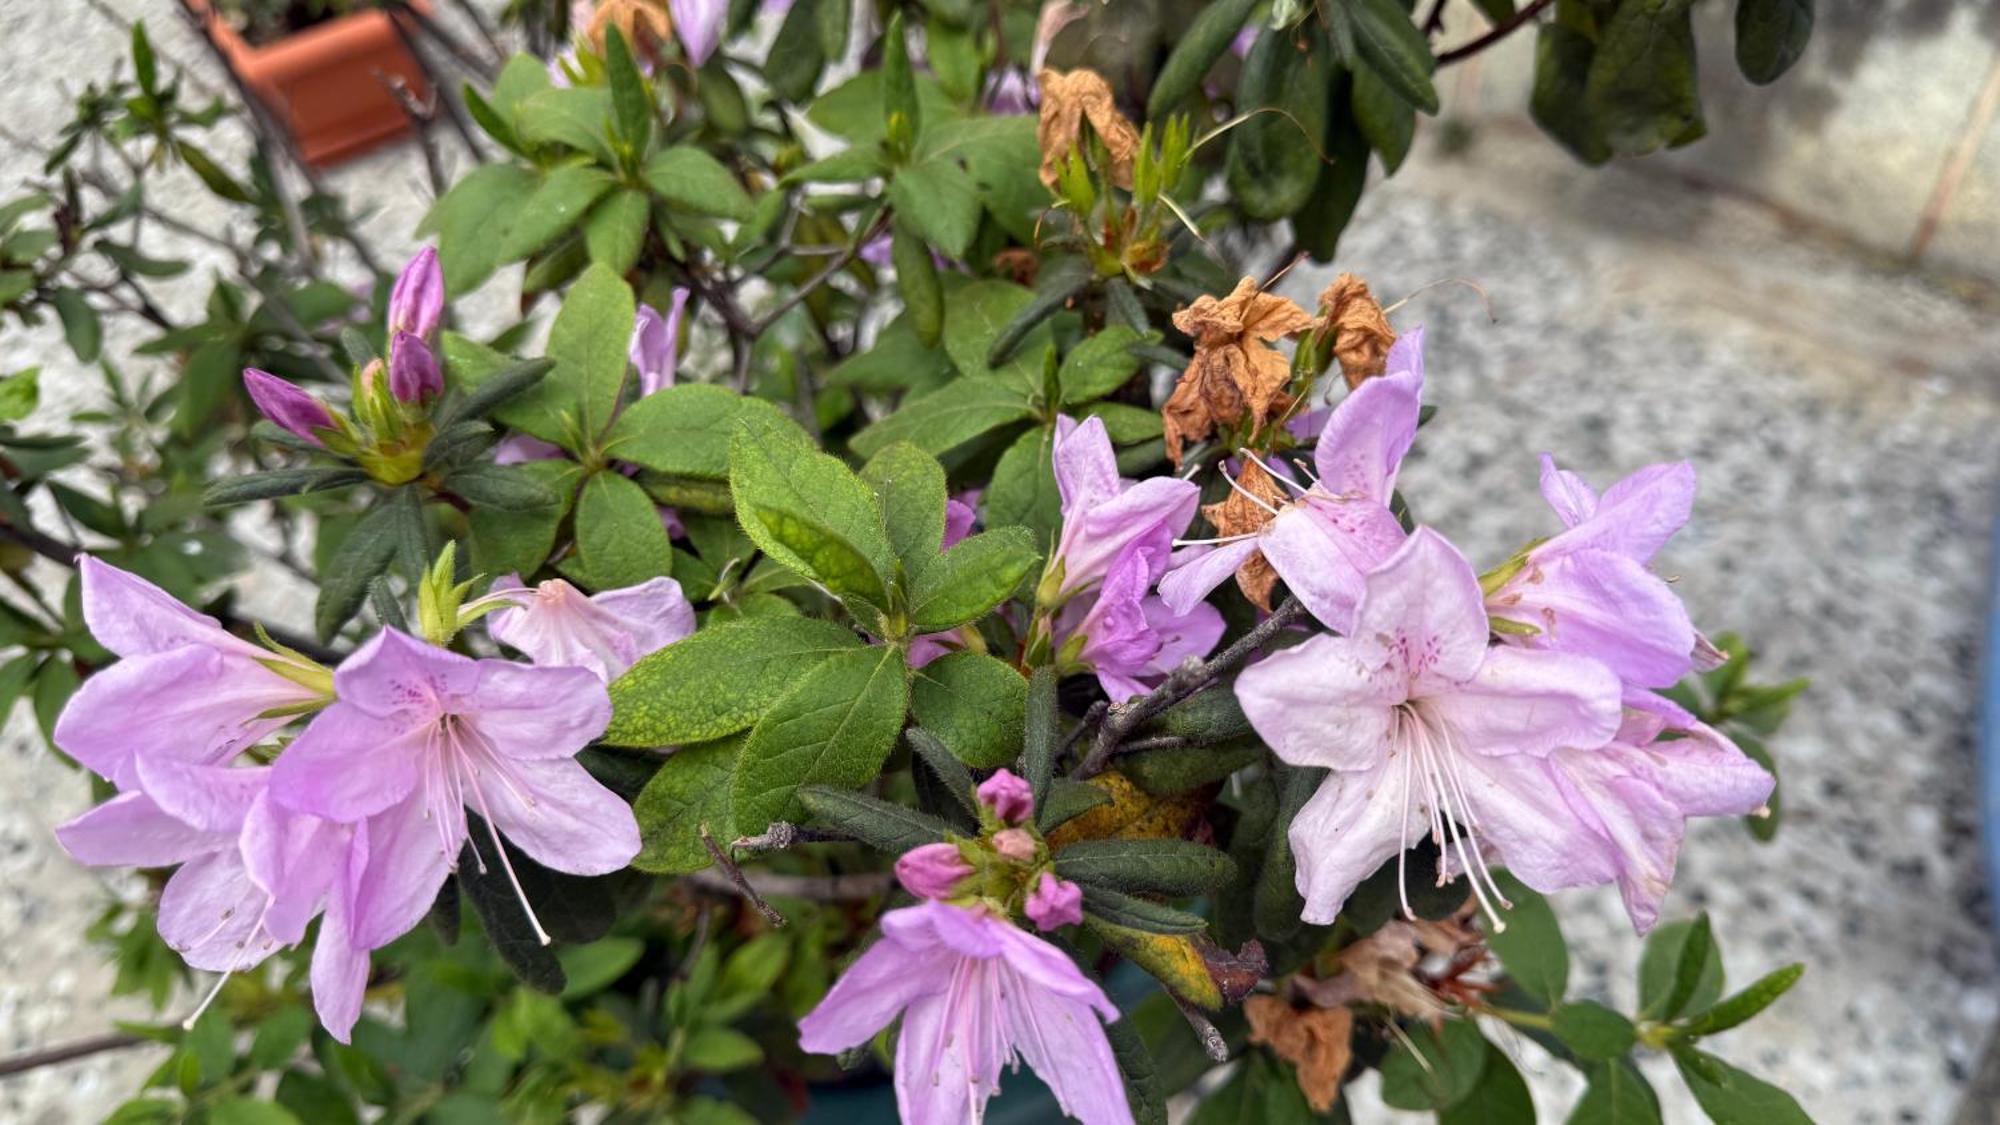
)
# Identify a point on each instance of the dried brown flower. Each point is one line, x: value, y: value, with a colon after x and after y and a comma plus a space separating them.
x: 1361, y: 333
x: 645, y: 24
x: 1068, y: 100
x: 1234, y: 367
x: 1319, y: 1041
x: 1238, y: 514
x: 1018, y: 264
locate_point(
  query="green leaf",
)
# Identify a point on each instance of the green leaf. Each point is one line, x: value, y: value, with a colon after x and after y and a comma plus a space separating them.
x: 1121, y: 909
x: 692, y: 180
x: 589, y: 343
x: 631, y: 103
x: 1273, y: 163
x: 276, y: 483
x: 683, y: 430
x: 365, y: 552
x: 595, y: 967
x: 1641, y: 90
x: 1041, y: 740
x: 1531, y: 948
x: 1067, y: 800
x: 1389, y: 44
x: 1101, y: 364
x: 1500, y: 1098
x: 834, y: 728
x: 494, y: 388
x: 897, y: 360
x: 508, y: 488
x: 615, y: 232
x: 1125, y: 424
x: 618, y: 533
x: 1058, y: 283
x: 1146, y: 866
x: 519, y: 542
x: 1143, y: 1094
x: 797, y: 55
x: 974, y: 704
x: 691, y: 789
x: 899, y: 83
x: 720, y: 1049
x: 576, y: 116
x: 1319, y: 224
x: 1690, y: 967
x: 940, y: 203
x: 976, y: 313
x: 1617, y: 1095
x: 311, y: 1098
x: 1194, y: 52
x: 968, y: 581
x: 249, y: 1111
x: 1387, y: 121
x: 946, y: 418
x: 917, y: 279
x: 1434, y: 1070
x: 501, y: 913
x: 809, y: 512
x: 557, y: 206
x: 720, y: 680
x: 1659, y: 969
x: 1770, y: 37
x: 1276, y: 904
x: 910, y: 485
x: 81, y: 327
x: 1747, y: 1003
x: 1023, y: 490
x: 19, y: 394
x: 1558, y: 105
x: 1593, y: 1031
x: 886, y: 827
x: 1731, y: 1097
x: 472, y: 221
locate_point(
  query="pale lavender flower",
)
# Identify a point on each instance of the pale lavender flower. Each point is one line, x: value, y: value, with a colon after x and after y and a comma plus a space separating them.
x: 414, y: 374
x: 1054, y: 903
x: 932, y: 870
x: 558, y: 624
x: 655, y: 343
x: 416, y: 304
x: 1009, y: 92
x: 1009, y: 796
x: 1324, y: 543
x: 699, y: 25
x: 974, y: 992
x: 519, y: 449
x: 287, y: 406
x: 186, y: 694
x: 1588, y: 590
x: 1102, y: 514
x: 1131, y: 638
x: 1421, y: 723
x: 958, y: 520
x: 419, y: 736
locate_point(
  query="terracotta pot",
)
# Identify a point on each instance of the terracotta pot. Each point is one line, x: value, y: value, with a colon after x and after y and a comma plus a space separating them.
x: 322, y: 83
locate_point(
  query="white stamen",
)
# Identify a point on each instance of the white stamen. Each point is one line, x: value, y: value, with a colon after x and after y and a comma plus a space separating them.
x: 1248, y: 495
x: 1282, y: 478
x: 1216, y: 542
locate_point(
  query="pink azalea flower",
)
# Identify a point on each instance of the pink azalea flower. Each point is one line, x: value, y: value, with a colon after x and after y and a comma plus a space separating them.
x: 975, y: 992
x: 519, y: 449
x: 1132, y: 639
x: 414, y: 374
x: 185, y: 695
x: 1009, y: 796
x: 1055, y: 903
x: 932, y: 870
x: 419, y: 736
x: 1102, y: 514
x: 558, y: 624
x: 699, y: 25
x: 1588, y: 590
x: 1422, y: 724
x: 416, y: 304
x: 1324, y: 544
x: 287, y: 406
x: 958, y: 520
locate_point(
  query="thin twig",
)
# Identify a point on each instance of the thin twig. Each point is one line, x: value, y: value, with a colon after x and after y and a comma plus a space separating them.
x: 781, y: 835
x: 1091, y: 718
x: 1434, y: 22
x: 1500, y: 31
x: 82, y: 1048
x: 738, y: 880
x: 1184, y: 681
x: 480, y: 24
x: 482, y: 68
x: 813, y: 888
x: 420, y: 117
x: 1212, y: 1041
x: 811, y: 285
x: 441, y: 92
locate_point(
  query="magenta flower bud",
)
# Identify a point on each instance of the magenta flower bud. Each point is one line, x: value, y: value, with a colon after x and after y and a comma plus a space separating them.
x: 413, y: 371
x: 1008, y: 796
x: 1015, y: 844
x: 416, y: 304
x: 932, y: 870
x: 291, y: 408
x: 1055, y: 902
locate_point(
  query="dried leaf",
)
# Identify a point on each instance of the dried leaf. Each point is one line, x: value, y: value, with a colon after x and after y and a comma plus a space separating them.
x: 1239, y: 514
x: 1318, y: 1041
x: 1361, y: 333
x: 1131, y: 813
x: 1018, y: 264
x: 645, y: 25
x: 1236, y: 974
x: 1234, y: 369
x: 1068, y: 100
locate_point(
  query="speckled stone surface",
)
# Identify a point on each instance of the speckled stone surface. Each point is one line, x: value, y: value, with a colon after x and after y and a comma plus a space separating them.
x: 1846, y: 421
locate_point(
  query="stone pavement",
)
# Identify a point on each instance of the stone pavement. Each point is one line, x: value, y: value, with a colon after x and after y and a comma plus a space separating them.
x: 1844, y: 415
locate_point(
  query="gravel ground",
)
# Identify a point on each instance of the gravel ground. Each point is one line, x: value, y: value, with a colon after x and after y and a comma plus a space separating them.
x: 1846, y: 421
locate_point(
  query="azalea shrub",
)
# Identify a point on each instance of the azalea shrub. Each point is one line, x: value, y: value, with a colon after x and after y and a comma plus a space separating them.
x: 919, y: 626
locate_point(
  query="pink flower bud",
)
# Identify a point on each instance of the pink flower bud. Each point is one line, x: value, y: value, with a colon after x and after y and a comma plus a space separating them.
x: 932, y: 870
x: 413, y: 371
x: 289, y: 407
x: 1055, y: 902
x: 1015, y: 844
x: 1008, y: 796
x: 416, y: 304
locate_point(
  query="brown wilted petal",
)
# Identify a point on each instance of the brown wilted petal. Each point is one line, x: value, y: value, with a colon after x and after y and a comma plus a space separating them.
x: 1239, y: 514
x: 1382, y: 968
x: 1234, y: 973
x: 645, y: 25
x: 1018, y: 264
x: 1068, y: 100
x: 1319, y: 1041
x: 1361, y: 333
x: 1234, y: 369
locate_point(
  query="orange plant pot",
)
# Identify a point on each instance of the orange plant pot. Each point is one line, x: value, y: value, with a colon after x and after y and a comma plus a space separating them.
x: 324, y: 83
